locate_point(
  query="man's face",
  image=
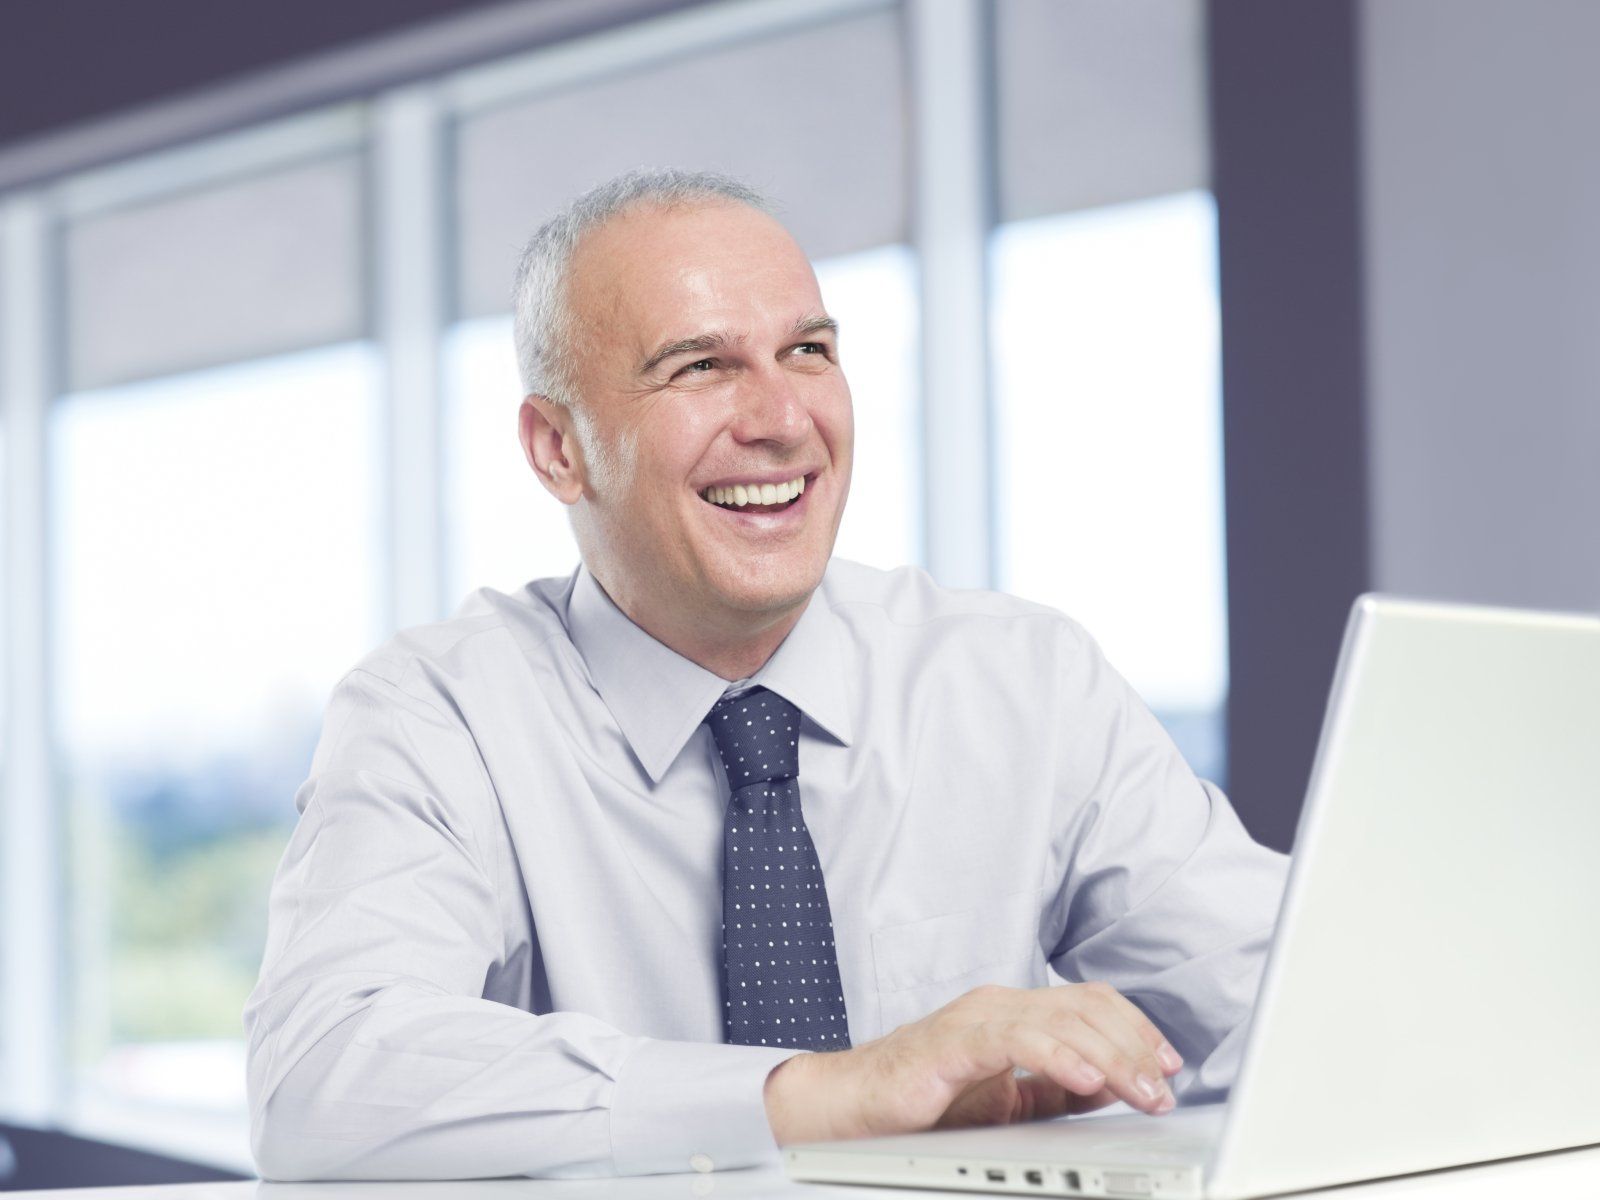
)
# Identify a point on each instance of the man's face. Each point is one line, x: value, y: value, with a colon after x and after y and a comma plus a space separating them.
x: 703, y: 361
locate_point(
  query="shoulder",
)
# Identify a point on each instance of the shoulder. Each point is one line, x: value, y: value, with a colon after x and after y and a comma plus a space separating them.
x: 906, y: 608
x: 492, y: 634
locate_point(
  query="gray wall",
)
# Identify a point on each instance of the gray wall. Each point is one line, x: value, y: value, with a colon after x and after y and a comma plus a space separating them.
x: 1409, y: 198
x: 1285, y: 165
x: 1480, y: 124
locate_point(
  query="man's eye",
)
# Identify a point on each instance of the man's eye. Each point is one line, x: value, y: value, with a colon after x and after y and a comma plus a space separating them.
x: 812, y: 348
x: 699, y: 367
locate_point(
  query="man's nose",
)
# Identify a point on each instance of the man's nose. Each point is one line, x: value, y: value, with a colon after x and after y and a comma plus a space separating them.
x: 771, y: 409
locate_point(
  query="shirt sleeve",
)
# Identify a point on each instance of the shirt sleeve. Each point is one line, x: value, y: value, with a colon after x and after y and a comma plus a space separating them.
x: 1163, y: 893
x: 372, y: 1052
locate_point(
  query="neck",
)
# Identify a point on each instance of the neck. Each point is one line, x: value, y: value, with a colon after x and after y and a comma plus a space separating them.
x: 730, y: 646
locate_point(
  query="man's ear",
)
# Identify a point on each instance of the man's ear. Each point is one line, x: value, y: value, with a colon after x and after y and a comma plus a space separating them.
x: 550, y: 443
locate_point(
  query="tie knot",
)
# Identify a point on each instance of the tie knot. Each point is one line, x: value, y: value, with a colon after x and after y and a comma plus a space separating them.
x: 757, y: 735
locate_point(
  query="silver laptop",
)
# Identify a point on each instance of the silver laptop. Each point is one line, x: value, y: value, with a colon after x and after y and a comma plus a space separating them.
x: 1432, y: 996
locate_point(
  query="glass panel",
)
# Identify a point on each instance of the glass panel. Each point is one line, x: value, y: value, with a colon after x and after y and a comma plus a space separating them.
x: 873, y: 297
x: 504, y: 529
x: 501, y: 527
x: 215, y: 570
x: 1100, y: 101
x: 815, y: 118
x: 263, y: 266
x: 1109, y: 444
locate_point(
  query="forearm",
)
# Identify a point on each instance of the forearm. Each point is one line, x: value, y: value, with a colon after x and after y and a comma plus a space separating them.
x: 400, y: 1083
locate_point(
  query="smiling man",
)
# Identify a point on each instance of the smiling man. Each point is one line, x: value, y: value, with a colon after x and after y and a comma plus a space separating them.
x: 721, y: 843
x: 693, y: 416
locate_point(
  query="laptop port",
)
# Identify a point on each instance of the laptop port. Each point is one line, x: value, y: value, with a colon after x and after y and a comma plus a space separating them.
x: 1034, y: 1177
x: 995, y: 1175
x: 1127, y: 1183
x: 1074, y: 1184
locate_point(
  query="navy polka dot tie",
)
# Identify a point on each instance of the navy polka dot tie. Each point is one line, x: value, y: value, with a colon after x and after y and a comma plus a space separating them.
x: 779, y: 969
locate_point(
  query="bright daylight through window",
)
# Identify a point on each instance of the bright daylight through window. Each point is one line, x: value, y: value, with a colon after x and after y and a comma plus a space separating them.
x: 195, y: 646
x: 1109, y: 420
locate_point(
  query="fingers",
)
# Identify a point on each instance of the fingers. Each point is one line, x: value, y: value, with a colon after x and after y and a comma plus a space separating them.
x: 1109, y: 1045
x: 999, y: 1045
x: 1073, y: 1053
x: 1085, y: 1045
x: 1167, y: 1058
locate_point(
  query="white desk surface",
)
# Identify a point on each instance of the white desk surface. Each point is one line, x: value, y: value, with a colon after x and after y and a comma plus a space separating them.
x: 1568, y: 1173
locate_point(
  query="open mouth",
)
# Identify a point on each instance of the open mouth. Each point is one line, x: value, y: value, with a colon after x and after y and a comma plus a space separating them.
x: 757, y: 497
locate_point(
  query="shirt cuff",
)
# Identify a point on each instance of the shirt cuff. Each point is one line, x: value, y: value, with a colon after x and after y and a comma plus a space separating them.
x: 693, y: 1106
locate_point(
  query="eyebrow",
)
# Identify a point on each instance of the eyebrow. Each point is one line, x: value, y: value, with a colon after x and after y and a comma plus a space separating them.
x: 706, y: 342
x: 816, y: 324
x: 700, y: 344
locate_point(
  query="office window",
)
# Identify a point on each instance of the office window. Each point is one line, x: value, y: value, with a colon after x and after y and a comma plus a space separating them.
x: 215, y: 572
x: 872, y: 294
x: 504, y: 528
x: 1106, y: 346
x: 216, y: 274
x: 216, y: 540
x: 1110, y: 437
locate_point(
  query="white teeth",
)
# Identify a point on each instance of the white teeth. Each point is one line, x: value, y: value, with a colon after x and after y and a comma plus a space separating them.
x: 739, y: 494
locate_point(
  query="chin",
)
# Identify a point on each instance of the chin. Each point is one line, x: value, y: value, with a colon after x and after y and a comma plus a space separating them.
x: 771, y: 591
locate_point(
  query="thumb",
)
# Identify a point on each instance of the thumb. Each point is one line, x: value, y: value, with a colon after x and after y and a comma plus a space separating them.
x: 991, y: 1101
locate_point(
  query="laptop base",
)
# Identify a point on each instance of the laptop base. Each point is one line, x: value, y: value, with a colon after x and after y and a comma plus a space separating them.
x: 1130, y: 1155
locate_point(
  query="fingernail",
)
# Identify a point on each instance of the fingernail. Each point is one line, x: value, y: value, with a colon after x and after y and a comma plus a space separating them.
x: 1090, y: 1075
x: 1169, y: 1058
x: 1149, y: 1088
x: 1167, y: 1104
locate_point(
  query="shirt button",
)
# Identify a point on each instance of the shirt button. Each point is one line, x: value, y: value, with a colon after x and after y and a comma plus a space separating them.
x: 701, y: 1162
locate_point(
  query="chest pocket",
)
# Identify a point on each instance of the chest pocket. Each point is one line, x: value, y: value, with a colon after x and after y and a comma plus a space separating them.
x: 924, y: 964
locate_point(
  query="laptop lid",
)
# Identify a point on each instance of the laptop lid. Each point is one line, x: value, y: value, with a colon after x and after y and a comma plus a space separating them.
x: 1430, y: 998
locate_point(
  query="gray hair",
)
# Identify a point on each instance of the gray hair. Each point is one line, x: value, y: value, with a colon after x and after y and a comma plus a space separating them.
x: 543, y: 321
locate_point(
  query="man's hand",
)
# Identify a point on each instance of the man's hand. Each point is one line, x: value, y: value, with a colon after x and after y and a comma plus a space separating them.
x: 1085, y: 1044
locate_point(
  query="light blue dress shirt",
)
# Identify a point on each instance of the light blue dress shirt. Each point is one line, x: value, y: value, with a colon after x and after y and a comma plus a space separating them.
x: 493, y: 941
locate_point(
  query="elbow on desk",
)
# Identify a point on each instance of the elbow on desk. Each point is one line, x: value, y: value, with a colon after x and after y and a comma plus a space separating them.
x: 280, y: 1155
x: 293, y: 1129
x: 277, y: 1160
x: 299, y: 1150
x: 290, y: 1142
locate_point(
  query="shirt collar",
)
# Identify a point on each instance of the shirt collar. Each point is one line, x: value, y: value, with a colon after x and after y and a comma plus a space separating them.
x: 659, y: 698
x: 809, y: 668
